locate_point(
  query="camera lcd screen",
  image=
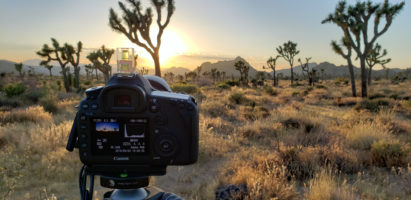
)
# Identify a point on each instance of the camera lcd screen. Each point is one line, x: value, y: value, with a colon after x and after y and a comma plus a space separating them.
x: 120, y: 137
x: 122, y: 100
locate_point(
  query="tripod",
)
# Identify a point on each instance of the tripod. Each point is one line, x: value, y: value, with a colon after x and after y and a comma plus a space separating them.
x: 124, y: 188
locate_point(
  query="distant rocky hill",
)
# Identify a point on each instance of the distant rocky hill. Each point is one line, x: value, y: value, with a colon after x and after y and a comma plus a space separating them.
x: 227, y: 66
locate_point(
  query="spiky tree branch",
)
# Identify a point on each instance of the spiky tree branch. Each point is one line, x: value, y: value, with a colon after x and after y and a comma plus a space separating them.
x: 135, y: 25
x: 73, y: 55
x: 271, y: 64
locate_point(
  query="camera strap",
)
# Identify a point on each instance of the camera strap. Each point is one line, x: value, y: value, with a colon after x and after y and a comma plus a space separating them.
x: 86, y: 194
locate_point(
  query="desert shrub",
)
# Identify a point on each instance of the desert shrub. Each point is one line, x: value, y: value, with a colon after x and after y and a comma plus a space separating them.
x: 254, y: 112
x: 10, y: 101
x: 346, y: 101
x: 325, y: 186
x: 321, y: 86
x: 238, y: 98
x: 14, y: 89
x: 376, y: 96
x: 264, y: 177
x: 301, y: 163
x: 388, y: 154
x: 213, y: 108
x: 270, y: 90
x: 224, y: 86
x: 30, y: 114
x: 363, y: 135
x: 295, y: 93
x: 372, y: 105
x: 49, y: 103
x: 87, y: 83
x: 340, y: 81
x: 185, y: 88
x: 232, y: 82
x: 406, y: 104
x: 35, y: 95
x: 394, y: 96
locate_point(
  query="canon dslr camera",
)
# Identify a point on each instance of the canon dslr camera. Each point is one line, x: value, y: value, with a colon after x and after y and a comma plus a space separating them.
x: 130, y: 129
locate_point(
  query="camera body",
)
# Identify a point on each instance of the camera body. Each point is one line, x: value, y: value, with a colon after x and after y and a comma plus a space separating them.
x: 129, y: 129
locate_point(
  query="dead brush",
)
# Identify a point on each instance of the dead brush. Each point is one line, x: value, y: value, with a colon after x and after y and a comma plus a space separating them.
x: 30, y: 114
x: 264, y: 176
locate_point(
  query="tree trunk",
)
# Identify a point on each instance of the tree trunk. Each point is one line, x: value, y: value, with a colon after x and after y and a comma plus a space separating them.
x: 274, y: 79
x: 292, y: 75
x: 156, y: 59
x: 363, y: 77
x: 66, y: 80
x: 352, y: 77
x: 96, y: 74
x: 77, y: 77
x: 369, y: 75
x: 106, y: 76
x: 50, y: 73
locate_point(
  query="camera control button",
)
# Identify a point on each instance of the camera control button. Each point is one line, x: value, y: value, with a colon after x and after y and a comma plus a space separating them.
x: 85, y: 106
x: 84, y: 136
x: 83, y: 126
x: 154, y: 108
x: 156, y: 131
x: 83, y: 117
x: 166, y: 146
x: 83, y: 145
x: 94, y: 106
x: 84, y: 154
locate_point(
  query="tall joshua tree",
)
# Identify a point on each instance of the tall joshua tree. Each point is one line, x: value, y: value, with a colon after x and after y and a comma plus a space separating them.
x: 288, y: 51
x: 49, y: 67
x: 338, y: 49
x: 375, y: 57
x: 354, y: 20
x: 243, y: 69
x: 56, y: 53
x: 101, y: 60
x: 137, y: 25
x: 73, y: 56
x: 271, y: 63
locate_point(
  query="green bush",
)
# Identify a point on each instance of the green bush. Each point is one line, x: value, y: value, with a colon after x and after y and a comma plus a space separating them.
x: 238, y: 98
x: 87, y: 83
x: 185, y: 88
x: 372, y: 105
x: 232, y: 83
x: 376, y: 96
x: 407, y: 104
x: 388, y: 154
x: 270, y: 90
x: 35, y: 95
x: 321, y: 86
x: 14, y: 89
x: 224, y: 86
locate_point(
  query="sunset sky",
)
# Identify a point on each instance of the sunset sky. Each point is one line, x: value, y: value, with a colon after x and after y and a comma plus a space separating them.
x: 199, y: 31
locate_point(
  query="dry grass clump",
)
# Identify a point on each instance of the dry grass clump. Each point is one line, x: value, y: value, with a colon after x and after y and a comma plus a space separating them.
x: 345, y: 160
x: 213, y: 108
x: 264, y: 177
x: 346, y: 101
x: 325, y: 186
x: 218, y: 125
x: 389, y: 154
x: 362, y: 135
x: 252, y: 113
x: 300, y: 163
x: 215, y: 145
x: 316, y: 96
x: 260, y: 130
x: 30, y: 114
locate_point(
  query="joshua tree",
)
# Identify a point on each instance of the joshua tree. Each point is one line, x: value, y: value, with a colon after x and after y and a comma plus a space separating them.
x: 49, y: 67
x: 89, y: 70
x: 288, y: 51
x: 169, y: 76
x: 73, y: 56
x: 143, y: 71
x: 338, y: 49
x: 19, y: 68
x: 271, y: 63
x: 198, y: 71
x: 136, y: 24
x: 56, y: 53
x: 214, y: 74
x: 311, y: 75
x: 354, y: 20
x: 243, y: 69
x: 101, y: 61
x: 375, y: 57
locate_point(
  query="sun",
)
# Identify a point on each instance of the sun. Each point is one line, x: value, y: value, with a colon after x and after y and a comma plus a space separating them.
x: 172, y: 45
